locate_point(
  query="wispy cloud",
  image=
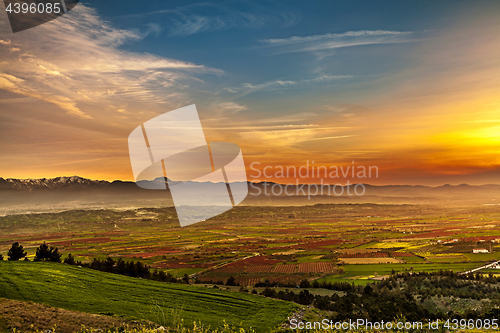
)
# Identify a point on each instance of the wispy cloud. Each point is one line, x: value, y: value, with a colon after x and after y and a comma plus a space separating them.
x: 288, y: 137
x: 185, y: 25
x: 77, y: 59
x: 230, y: 107
x: 248, y: 88
x: 332, y: 137
x: 329, y: 36
x: 195, y: 18
x: 331, y: 41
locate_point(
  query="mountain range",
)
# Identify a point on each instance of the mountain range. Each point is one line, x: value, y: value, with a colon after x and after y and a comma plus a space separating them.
x: 62, y: 193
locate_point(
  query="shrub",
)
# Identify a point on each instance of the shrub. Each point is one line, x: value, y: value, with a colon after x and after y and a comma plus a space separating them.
x: 46, y: 253
x: 305, y: 284
x: 16, y: 252
x: 70, y: 260
x: 231, y: 281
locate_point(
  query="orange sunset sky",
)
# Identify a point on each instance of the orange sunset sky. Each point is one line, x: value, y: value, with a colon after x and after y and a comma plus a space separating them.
x: 417, y: 95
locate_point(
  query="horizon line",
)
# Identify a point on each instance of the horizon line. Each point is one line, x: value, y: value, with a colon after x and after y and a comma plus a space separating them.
x: 257, y: 182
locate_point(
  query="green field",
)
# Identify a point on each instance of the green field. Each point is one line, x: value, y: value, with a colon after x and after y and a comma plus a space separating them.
x: 180, y: 272
x: 413, y: 259
x: 483, y: 256
x: 90, y: 291
x: 362, y: 274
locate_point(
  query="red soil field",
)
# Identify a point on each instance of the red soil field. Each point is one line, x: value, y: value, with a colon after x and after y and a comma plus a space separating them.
x: 228, y: 269
x: 244, y: 281
x: 478, y: 239
x: 259, y: 269
x: 316, y: 245
x: 182, y: 265
x: 44, y: 238
x: 316, y: 267
x: 83, y: 241
x: 255, y: 261
x: 284, y: 278
x: 285, y: 269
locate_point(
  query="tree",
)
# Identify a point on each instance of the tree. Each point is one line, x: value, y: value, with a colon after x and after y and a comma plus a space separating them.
x: 43, y: 253
x: 231, y: 281
x: 269, y: 292
x: 1, y: 257
x: 109, y: 263
x: 55, y: 256
x: 46, y: 253
x: 70, y: 260
x: 16, y: 252
x: 305, y: 283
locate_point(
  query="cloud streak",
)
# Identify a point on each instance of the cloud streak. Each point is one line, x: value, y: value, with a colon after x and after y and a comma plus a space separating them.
x: 248, y: 88
x: 203, y: 17
x: 77, y: 59
x: 332, y: 41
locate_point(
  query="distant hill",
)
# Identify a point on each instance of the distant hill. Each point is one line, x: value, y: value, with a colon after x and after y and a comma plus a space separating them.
x: 63, y: 193
x: 80, y: 289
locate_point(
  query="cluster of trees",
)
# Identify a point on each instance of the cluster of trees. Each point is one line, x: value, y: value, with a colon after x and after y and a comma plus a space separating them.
x: 304, y: 297
x: 340, y: 286
x: 229, y: 282
x: 448, y: 284
x: 43, y: 253
x: 127, y: 268
x: 400, y: 295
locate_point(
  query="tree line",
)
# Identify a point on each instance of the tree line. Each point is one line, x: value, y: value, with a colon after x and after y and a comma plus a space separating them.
x: 128, y: 268
x: 400, y: 295
x: 43, y: 253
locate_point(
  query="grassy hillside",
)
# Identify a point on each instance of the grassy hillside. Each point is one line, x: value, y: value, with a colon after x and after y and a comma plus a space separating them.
x: 86, y: 290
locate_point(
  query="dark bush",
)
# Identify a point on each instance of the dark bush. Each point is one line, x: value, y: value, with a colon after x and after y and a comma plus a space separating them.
x: 16, y: 252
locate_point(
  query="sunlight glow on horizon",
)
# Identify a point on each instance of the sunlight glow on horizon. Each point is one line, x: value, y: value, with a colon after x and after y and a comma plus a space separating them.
x: 420, y: 104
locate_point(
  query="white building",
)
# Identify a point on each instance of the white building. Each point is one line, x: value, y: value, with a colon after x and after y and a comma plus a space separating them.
x: 480, y: 251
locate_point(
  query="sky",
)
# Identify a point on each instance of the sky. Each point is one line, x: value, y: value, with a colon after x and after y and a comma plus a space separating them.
x: 409, y: 87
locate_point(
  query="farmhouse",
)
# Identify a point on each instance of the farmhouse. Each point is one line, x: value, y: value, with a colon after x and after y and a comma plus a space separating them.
x: 480, y: 251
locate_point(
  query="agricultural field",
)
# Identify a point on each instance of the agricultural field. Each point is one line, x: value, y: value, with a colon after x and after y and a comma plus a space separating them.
x: 281, y: 244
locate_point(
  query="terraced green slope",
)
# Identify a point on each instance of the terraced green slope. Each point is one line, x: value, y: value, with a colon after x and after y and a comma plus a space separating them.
x: 86, y: 290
